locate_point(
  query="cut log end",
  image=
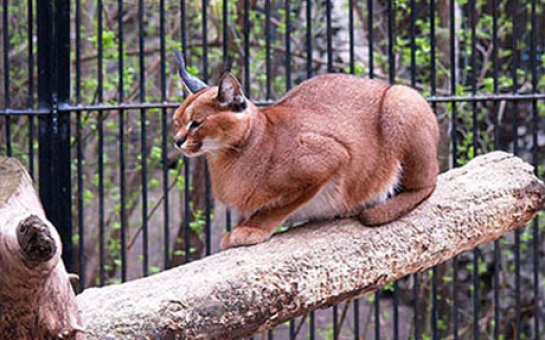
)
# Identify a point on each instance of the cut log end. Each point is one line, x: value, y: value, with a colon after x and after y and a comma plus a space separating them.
x: 36, y: 241
x: 535, y: 191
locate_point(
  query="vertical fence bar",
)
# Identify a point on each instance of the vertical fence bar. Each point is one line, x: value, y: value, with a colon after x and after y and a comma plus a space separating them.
x: 101, y: 226
x: 228, y: 220
x: 79, y: 154
x: 308, y: 8
x: 335, y: 322
x: 208, y: 210
x: 77, y: 85
x: 81, y: 224
x: 121, y: 133
x: 473, y: 64
x: 100, y: 48
x: 7, y: 118
x: 246, y: 33
x: 30, y: 62
x: 100, y: 128
x: 416, y: 287
x: 64, y: 186
x: 516, y: 64
x: 54, y: 129
x: 370, y: 30
x: 165, y: 135
x: 351, y: 41
x: 207, y: 183
x: 434, y: 283
x: 143, y: 139
x: 287, y: 65
x: 183, y: 27
x: 495, y: 71
x: 476, y: 133
x: 535, y: 162
x: 377, y: 314
x: 207, y: 193
x: 329, y: 37
x: 268, y: 70
x: 309, y: 37
x: 454, y: 146
x: 187, y: 163
x: 391, y: 73
x: 101, y: 215
x: 225, y: 21
x: 391, y: 42
x: 7, y: 121
x: 292, y: 329
x: 329, y: 51
x: 514, y: 70
x: 370, y: 37
x: 187, y: 210
x: 287, y: 60
x: 268, y: 48
x: 225, y: 13
x: 497, y: 255
x: 351, y: 36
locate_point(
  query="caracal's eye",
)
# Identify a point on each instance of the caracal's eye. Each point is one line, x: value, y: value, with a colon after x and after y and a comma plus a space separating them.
x: 194, y: 124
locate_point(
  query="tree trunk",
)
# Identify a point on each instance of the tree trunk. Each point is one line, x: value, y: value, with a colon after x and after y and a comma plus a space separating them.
x: 241, y: 291
x: 36, y: 298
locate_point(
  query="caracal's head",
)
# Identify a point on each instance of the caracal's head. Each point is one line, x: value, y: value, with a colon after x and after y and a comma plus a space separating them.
x: 212, y: 119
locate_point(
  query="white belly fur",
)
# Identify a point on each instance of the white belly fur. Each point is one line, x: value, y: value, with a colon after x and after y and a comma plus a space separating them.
x: 329, y: 201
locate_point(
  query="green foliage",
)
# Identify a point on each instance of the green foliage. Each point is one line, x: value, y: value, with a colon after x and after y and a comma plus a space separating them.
x: 326, y: 333
x: 198, y: 222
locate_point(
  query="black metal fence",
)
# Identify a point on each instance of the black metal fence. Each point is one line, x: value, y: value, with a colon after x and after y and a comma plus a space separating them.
x: 89, y: 88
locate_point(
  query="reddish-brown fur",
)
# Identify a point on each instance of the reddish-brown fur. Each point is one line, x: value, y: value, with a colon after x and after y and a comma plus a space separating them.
x: 332, y: 146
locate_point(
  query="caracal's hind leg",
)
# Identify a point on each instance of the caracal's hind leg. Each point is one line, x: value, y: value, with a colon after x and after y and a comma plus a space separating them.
x: 410, y: 129
x: 418, y: 184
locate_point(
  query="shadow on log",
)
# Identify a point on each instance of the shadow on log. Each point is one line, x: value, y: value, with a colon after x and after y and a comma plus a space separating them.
x: 244, y: 291
x: 36, y: 298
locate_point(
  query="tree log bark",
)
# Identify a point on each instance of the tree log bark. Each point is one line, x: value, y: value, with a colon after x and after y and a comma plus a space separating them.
x: 36, y: 299
x: 243, y: 291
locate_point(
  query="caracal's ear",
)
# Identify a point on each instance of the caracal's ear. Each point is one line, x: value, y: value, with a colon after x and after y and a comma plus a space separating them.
x: 191, y: 83
x: 230, y: 93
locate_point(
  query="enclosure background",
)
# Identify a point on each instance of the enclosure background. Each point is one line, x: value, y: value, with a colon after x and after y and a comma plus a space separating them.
x: 89, y: 87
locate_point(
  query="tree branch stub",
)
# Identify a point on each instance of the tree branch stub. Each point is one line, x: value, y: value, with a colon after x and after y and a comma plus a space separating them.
x: 36, y: 241
x: 36, y: 299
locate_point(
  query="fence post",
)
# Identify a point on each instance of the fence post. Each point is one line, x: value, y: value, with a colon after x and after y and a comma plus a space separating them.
x: 54, y: 128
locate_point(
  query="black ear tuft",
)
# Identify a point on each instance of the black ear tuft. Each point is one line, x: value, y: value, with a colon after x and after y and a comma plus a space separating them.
x: 191, y: 83
x: 230, y: 93
x: 227, y: 65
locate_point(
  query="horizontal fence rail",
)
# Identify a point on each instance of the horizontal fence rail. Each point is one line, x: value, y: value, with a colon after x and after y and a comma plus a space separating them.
x: 168, y: 105
x: 88, y: 89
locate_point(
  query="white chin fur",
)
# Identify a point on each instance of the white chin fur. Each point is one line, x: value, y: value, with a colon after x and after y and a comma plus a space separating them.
x: 194, y: 154
x: 184, y: 152
x: 207, y: 146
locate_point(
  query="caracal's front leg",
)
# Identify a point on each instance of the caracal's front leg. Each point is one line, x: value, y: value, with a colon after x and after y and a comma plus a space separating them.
x: 260, y: 226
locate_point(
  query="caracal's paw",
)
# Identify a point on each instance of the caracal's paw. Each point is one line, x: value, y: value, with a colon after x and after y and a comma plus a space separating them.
x: 244, y: 236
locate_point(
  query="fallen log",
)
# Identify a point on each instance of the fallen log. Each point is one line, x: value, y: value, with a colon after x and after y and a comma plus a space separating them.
x: 36, y: 299
x: 243, y: 291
